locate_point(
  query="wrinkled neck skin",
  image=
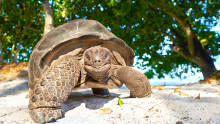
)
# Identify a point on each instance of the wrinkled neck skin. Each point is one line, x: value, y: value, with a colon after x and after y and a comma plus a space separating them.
x: 100, y: 74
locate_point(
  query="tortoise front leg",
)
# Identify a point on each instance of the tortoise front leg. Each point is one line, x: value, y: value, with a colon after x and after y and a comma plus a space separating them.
x: 53, y: 89
x: 135, y: 81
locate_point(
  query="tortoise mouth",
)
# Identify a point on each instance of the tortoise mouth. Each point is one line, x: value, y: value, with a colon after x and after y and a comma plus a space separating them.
x: 98, y: 68
x: 98, y: 72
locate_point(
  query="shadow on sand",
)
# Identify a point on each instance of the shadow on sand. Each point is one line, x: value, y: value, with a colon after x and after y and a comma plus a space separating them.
x: 13, y: 88
x: 76, y: 98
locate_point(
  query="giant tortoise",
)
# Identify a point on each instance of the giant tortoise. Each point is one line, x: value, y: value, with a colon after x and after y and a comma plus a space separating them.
x: 79, y: 54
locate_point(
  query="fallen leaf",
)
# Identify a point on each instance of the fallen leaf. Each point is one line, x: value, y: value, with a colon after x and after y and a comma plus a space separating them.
x: 106, y: 110
x: 120, y: 102
x: 208, y: 121
x: 185, y: 118
x: 183, y: 94
x: 151, y: 108
x: 158, y: 87
x: 119, y: 116
x: 26, y: 91
x: 177, y: 90
x: 198, y: 97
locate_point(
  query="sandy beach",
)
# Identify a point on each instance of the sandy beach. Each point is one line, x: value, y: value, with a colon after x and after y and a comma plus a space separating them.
x: 197, y: 103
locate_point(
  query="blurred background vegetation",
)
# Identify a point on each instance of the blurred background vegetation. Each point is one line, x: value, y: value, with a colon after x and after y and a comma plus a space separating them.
x: 166, y: 35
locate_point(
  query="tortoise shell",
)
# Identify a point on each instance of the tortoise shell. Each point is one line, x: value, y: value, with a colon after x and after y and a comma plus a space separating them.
x: 70, y: 36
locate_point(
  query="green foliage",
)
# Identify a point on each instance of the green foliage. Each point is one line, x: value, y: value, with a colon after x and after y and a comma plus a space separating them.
x: 21, y: 26
x: 142, y: 24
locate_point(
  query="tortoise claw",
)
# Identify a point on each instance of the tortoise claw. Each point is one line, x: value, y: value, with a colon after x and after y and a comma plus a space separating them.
x: 45, y: 115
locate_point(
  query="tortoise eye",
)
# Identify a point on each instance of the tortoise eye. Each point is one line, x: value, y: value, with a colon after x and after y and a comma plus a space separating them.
x: 106, y: 55
x: 87, y: 56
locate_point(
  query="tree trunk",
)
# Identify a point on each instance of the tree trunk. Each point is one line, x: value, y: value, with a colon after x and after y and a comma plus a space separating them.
x: 203, y: 59
x: 190, y: 48
x: 13, y: 58
x: 48, y: 17
x: 200, y: 57
x: 206, y: 65
x: 1, y: 53
x: 207, y: 71
x: 15, y: 51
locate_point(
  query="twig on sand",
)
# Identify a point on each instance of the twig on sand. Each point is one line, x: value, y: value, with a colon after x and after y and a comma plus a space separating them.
x: 161, y: 101
x: 5, y: 114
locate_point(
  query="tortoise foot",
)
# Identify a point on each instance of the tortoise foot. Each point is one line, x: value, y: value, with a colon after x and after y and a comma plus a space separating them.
x: 46, y: 115
x: 101, y: 92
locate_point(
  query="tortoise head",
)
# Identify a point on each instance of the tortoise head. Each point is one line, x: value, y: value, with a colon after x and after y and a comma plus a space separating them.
x: 97, y: 62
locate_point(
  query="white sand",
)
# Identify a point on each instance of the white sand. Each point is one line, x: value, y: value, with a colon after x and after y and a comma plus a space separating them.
x: 164, y: 106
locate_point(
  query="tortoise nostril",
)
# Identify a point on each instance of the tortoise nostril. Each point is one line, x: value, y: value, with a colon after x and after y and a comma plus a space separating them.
x: 97, y: 61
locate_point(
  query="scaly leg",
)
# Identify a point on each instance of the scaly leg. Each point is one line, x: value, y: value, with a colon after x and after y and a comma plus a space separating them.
x: 135, y: 81
x: 50, y: 92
